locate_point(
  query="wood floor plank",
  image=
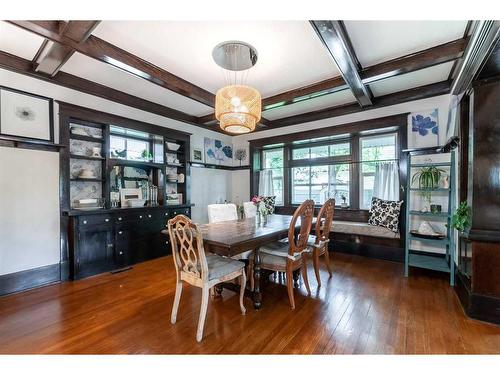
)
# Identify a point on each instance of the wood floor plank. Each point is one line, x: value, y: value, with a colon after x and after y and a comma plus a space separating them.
x: 367, y: 307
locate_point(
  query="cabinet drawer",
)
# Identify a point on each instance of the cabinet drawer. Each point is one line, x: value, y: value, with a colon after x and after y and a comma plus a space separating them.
x: 90, y: 220
x: 180, y: 211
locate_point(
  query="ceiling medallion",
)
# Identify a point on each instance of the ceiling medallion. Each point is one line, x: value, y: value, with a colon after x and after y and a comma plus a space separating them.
x: 237, y: 106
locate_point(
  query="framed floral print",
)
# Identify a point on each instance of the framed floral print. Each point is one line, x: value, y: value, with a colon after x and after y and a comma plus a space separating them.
x: 423, y: 129
x: 26, y: 115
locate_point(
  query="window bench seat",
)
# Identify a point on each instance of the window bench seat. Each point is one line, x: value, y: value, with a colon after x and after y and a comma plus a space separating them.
x: 360, y: 238
x: 363, y: 229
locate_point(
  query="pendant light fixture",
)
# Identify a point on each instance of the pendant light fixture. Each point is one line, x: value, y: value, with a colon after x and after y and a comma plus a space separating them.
x: 237, y: 106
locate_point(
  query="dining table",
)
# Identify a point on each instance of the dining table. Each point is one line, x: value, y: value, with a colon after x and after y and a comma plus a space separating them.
x: 233, y: 237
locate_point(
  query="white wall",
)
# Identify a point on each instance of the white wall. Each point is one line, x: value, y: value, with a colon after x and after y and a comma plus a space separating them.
x: 209, y: 186
x: 29, y: 209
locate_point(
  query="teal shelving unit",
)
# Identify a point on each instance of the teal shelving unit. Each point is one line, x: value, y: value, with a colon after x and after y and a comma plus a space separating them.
x: 424, y: 259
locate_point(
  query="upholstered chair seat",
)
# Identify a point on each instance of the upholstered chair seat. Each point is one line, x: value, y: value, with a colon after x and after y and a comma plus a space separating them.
x: 219, y: 266
x: 250, y: 209
x: 222, y: 212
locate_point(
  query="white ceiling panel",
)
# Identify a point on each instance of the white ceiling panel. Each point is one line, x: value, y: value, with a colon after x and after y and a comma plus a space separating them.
x: 322, y: 102
x: 19, y: 42
x: 378, y: 41
x: 105, y: 74
x: 421, y: 77
x: 290, y: 54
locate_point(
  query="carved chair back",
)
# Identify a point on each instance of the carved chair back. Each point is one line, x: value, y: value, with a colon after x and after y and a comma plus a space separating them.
x: 187, y: 248
x: 324, y: 221
x: 305, y: 212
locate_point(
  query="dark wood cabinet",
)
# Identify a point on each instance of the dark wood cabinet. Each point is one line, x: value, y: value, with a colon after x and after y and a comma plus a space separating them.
x: 113, y: 239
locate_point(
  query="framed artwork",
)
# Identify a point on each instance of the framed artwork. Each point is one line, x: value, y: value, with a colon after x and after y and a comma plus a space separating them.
x: 197, y: 155
x: 423, y: 129
x: 217, y: 152
x: 26, y: 115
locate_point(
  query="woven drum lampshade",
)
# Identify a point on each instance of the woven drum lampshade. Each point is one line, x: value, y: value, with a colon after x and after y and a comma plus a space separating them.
x: 238, y: 108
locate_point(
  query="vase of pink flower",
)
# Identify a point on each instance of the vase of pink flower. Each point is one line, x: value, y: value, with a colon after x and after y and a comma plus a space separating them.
x: 262, y: 211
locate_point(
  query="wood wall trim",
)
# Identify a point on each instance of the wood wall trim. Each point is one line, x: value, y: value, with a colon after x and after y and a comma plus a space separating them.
x: 351, y: 127
x: 417, y: 93
x: 23, y: 66
x: 28, y: 279
x: 93, y: 115
x: 336, y: 41
x: 103, y: 51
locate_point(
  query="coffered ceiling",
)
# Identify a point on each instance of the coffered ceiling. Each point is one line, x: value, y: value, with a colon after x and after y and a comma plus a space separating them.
x: 166, y: 67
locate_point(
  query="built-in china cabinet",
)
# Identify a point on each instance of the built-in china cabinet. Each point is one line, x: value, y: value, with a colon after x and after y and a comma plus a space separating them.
x: 120, y: 180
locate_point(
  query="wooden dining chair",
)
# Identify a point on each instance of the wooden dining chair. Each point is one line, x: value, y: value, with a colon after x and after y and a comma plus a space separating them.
x: 319, y: 241
x: 196, y: 268
x: 289, y: 256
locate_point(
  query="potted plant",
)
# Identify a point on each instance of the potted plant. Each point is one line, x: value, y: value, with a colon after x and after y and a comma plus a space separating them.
x: 461, y: 219
x: 344, y: 200
x: 428, y: 180
x: 146, y: 155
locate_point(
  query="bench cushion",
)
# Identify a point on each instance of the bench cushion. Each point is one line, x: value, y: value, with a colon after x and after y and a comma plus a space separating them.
x: 362, y: 229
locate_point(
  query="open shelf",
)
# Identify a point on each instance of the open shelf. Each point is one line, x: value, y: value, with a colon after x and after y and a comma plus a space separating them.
x: 86, y: 179
x: 431, y: 262
x: 73, y: 156
x: 431, y: 165
x: 431, y: 190
x: 86, y: 138
x: 430, y: 241
x: 430, y: 214
x: 135, y: 163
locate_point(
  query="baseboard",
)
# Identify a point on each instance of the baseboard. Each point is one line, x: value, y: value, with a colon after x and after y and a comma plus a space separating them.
x: 394, y: 254
x: 19, y: 281
x: 477, y: 306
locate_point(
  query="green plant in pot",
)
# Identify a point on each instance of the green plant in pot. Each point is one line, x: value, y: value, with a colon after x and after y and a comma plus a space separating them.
x: 428, y: 180
x: 146, y: 155
x: 461, y: 219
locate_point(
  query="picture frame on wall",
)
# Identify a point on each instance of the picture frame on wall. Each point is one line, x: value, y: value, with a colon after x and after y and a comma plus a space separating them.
x: 423, y: 128
x: 26, y: 115
x: 218, y: 152
x: 197, y: 155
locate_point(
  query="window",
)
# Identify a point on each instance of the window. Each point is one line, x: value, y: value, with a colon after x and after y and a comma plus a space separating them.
x: 340, y: 166
x: 320, y: 183
x: 127, y: 148
x: 373, y: 149
x: 273, y: 159
x: 338, y: 149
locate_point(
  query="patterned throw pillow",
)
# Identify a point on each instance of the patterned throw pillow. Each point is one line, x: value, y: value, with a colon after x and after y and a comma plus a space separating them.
x: 269, y: 202
x: 385, y: 214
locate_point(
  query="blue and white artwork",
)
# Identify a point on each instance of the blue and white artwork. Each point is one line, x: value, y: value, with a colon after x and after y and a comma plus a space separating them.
x: 217, y: 152
x: 423, y: 129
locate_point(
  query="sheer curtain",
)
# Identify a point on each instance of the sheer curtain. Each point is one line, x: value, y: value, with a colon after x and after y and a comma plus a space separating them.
x: 266, y: 183
x: 386, y: 184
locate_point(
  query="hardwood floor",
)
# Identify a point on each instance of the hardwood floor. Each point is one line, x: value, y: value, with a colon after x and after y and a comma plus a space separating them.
x: 366, y: 307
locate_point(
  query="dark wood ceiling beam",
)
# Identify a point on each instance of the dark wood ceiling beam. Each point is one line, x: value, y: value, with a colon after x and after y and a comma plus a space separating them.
x: 336, y: 41
x: 52, y: 56
x: 325, y: 87
x: 416, y: 61
x: 211, y: 120
x: 103, y: 51
x: 443, y: 53
x: 25, y: 67
x: 417, y: 93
